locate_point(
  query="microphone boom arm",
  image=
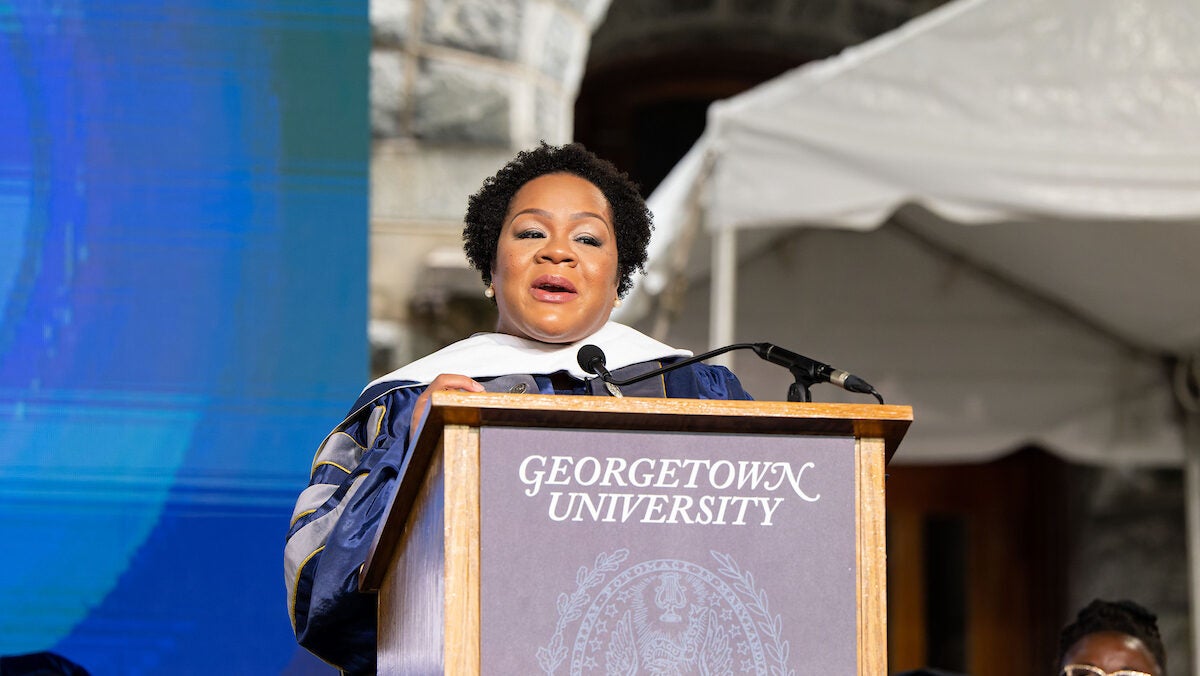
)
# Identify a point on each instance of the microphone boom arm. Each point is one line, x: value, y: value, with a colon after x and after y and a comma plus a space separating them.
x: 683, y: 362
x: 805, y: 371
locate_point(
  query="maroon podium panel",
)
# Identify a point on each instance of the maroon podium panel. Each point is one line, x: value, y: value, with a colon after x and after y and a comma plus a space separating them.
x: 617, y: 552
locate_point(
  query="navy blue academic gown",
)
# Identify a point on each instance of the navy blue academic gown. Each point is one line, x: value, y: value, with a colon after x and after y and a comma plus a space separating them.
x: 354, y: 474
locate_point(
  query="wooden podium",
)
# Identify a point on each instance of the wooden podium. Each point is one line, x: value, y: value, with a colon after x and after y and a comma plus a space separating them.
x: 436, y: 571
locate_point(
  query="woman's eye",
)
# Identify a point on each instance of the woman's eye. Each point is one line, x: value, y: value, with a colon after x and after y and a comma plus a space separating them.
x: 530, y: 234
x: 588, y: 240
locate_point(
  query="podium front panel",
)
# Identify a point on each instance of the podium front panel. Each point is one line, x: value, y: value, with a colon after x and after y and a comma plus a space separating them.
x: 656, y: 552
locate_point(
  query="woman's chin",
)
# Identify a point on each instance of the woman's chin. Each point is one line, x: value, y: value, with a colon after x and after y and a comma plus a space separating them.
x: 555, y: 332
x: 563, y: 336
x: 551, y: 322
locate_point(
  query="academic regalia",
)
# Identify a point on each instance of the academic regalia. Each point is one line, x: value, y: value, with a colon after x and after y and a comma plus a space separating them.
x: 357, y: 466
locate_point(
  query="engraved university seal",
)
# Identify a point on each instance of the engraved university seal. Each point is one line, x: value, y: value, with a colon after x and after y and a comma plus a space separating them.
x: 666, y: 617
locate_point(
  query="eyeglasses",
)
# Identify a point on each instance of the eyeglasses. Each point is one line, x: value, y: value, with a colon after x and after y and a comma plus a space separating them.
x: 1089, y: 670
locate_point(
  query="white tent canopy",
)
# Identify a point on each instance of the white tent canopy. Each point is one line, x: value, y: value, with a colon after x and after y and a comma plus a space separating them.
x: 1053, y: 145
x: 1047, y: 268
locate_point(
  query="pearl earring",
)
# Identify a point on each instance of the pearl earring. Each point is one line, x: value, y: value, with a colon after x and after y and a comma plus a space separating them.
x: 489, y: 292
x: 617, y: 302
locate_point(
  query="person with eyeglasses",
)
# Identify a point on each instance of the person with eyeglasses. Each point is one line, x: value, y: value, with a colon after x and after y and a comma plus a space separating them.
x: 1112, y: 638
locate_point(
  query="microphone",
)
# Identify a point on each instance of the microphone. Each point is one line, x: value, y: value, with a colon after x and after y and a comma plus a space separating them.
x: 806, y: 371
x: 591, y: 359
x: 813, y: 370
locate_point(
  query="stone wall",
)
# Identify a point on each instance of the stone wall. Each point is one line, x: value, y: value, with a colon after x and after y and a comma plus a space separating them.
x: 1128, y: 542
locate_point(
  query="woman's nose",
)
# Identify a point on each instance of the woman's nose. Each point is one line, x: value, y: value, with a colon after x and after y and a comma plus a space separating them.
x: 556, y: 250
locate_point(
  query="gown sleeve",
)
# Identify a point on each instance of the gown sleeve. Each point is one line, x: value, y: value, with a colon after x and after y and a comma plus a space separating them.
x: 704, y: 381
x: 333, y: 525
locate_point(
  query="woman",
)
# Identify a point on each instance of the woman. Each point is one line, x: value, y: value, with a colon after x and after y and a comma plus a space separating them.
x: 1112, y: 639
x: 556, y: 235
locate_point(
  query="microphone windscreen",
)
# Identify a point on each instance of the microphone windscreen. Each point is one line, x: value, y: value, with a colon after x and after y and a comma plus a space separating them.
x: 588, y: 357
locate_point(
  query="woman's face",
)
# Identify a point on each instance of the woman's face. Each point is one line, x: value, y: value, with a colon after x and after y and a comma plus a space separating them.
x: 1111, y: 651
x: 555, y: 272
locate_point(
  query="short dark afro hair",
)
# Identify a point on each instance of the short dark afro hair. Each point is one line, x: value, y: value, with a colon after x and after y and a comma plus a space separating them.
x: 1125, y: 617
x: 487, y: 208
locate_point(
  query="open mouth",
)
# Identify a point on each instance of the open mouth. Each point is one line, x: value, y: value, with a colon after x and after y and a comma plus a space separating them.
x: 552, y: 287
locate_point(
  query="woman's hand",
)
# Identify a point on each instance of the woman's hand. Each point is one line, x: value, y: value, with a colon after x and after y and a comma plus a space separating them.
x: 446, y: 381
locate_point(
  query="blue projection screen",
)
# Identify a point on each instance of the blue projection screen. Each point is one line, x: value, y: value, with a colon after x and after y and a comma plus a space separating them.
x: 183, y: 228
